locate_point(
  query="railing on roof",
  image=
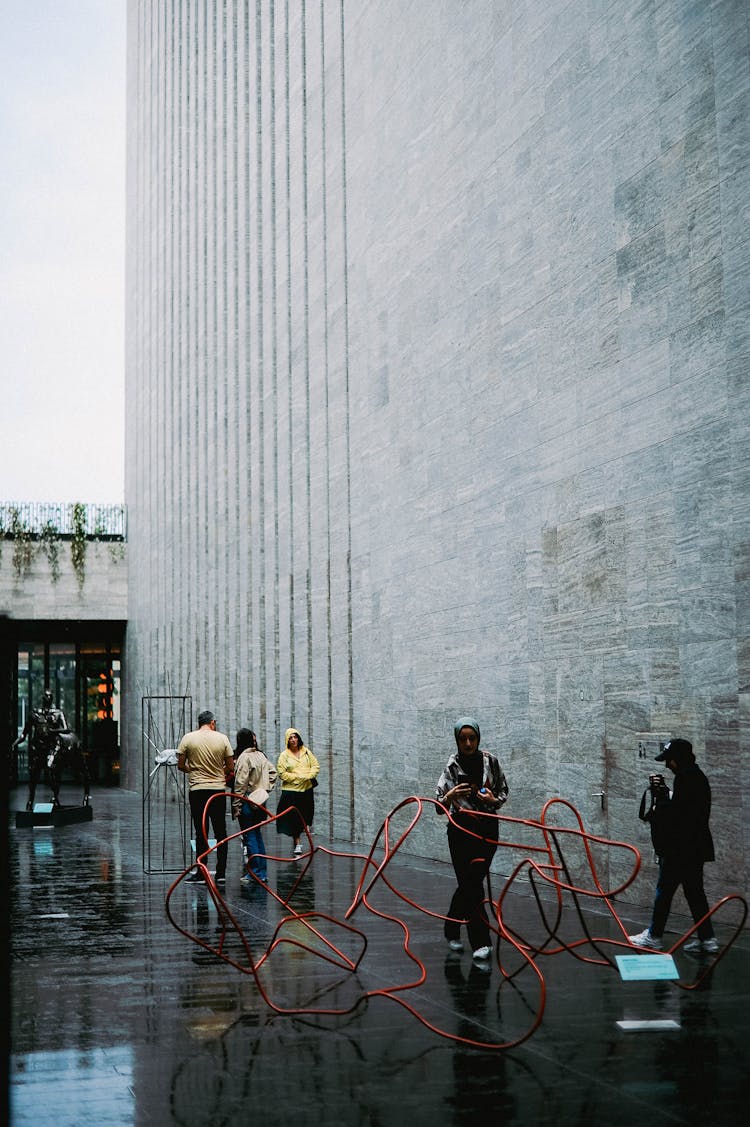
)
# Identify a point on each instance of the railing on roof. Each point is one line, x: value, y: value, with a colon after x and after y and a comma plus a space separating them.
x: 34, y: 518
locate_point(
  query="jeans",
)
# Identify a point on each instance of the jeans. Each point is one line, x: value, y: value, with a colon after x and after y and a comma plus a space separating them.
x: 254, y: 842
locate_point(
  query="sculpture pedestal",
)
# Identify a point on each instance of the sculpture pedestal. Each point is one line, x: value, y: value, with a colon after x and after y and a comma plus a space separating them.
x: 45, y: 814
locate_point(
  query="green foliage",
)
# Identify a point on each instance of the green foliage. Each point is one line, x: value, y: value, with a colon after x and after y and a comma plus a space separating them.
x: 24, y: 549
x: 78, y: 543
x: 49, y: 540
x: 36, y: 528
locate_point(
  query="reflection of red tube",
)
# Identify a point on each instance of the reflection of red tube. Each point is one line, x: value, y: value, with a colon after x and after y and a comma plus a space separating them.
x: 542, y: 865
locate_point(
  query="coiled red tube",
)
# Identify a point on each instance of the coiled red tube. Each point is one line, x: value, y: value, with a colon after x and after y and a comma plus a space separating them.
x: 544, y: 863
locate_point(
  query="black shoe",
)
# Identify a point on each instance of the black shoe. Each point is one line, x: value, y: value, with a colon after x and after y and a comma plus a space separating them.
x: 221, y: 880
x: 195, y: 878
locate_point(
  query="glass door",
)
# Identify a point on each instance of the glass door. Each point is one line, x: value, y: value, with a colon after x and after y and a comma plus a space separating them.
x: 31, y: 686
x: 61, y: 679
x: 100, y: 701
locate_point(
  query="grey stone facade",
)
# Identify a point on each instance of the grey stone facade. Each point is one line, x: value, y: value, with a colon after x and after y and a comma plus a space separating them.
x: 437, y: 392
x: 36, y: 596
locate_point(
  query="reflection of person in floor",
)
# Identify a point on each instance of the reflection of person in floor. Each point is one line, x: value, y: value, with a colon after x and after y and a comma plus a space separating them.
x: 699, y: 1093
x: 471, y: 786
x: 468, y: 991
x: 477, y: 1076
x: 682, y: 840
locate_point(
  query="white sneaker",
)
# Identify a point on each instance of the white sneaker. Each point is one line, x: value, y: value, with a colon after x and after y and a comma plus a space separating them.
x: 482, y: 953
x: 708, y: 945
x: 297, y: 851
x: 646, y: 939
x: 455, y: 945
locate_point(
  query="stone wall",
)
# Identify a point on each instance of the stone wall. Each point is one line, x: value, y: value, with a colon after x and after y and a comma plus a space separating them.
x: 437, y: 394
x: 36, y: 595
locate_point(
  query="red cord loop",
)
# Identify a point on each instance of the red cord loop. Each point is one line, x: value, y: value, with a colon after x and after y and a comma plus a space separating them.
x: 545, y: 864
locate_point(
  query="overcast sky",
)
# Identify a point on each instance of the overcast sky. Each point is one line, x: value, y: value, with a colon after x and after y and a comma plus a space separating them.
x: 62, y: 247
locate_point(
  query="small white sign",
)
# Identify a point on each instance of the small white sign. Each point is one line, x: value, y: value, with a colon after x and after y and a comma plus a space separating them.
x: 656, y: 1025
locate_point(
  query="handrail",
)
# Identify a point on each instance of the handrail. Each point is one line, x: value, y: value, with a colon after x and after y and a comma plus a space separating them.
x: 34, y: 519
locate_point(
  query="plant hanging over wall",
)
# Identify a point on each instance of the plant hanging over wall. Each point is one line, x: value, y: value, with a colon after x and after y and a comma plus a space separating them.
x: 42, y: 528
x: 49, y: 539
x: 23, y: 546
x: 78, y: 543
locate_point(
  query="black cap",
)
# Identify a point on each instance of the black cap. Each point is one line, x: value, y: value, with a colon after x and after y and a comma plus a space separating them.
x: 675, y: 749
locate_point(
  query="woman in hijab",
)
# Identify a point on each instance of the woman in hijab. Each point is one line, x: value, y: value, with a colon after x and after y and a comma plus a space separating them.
x: 253, y: 775
x: 298, y: 770
x: 471, y: 786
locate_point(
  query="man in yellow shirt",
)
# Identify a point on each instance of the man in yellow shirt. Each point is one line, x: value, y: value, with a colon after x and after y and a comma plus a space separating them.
x: 206, y: 758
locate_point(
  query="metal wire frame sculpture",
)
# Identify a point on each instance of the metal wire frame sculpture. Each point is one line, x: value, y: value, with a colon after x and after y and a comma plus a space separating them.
x: 546, y: 866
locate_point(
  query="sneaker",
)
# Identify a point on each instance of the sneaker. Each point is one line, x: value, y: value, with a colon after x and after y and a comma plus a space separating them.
x: 455, y: 945
x: 221, y: 880
x: 246, y: 879
x: 297, y: 851
x: 195, y: 878
x: 695, y: 944
x: 646, y: 939
x: 482, y: 953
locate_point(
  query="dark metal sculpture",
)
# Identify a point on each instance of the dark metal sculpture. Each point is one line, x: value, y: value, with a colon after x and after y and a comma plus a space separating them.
x: 52, y: 747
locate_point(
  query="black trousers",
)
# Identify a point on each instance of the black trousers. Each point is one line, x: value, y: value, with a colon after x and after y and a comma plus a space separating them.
x: 471, y: 859
x: 217, y: 813
x: 672, y: 874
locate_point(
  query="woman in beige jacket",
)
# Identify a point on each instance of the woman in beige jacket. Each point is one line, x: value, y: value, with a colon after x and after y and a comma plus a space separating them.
x: 255, y: 778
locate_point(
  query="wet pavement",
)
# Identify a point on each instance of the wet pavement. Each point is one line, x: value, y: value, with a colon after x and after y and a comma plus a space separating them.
x: 118, y: 1018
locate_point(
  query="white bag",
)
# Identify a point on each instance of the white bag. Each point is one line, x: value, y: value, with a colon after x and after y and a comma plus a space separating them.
x: 259, y: 796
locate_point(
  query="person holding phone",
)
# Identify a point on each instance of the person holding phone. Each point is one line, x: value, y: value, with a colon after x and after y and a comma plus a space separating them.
x: 683, y: 843
x: 471, y: 787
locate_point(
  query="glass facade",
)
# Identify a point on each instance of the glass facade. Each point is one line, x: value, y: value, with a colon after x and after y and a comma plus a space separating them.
x: 84, y: 678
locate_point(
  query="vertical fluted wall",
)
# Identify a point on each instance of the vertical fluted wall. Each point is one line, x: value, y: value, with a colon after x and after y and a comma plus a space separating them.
x: 437, y: 389
x: 238, y: 421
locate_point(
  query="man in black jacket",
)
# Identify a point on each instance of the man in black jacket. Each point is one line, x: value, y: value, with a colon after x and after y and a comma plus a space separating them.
x: 682, y: 838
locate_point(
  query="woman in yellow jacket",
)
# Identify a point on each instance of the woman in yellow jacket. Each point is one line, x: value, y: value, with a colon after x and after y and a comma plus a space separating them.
x: 298, y: 769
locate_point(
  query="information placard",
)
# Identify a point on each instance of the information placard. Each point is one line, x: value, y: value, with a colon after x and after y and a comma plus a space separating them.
x: 635, y: 968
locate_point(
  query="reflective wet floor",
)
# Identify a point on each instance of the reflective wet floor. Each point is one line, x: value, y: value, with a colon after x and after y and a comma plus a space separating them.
x: 118, y: 1018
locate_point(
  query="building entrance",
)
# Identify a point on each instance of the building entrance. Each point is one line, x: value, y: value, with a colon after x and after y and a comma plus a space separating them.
x: 84, y: 675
